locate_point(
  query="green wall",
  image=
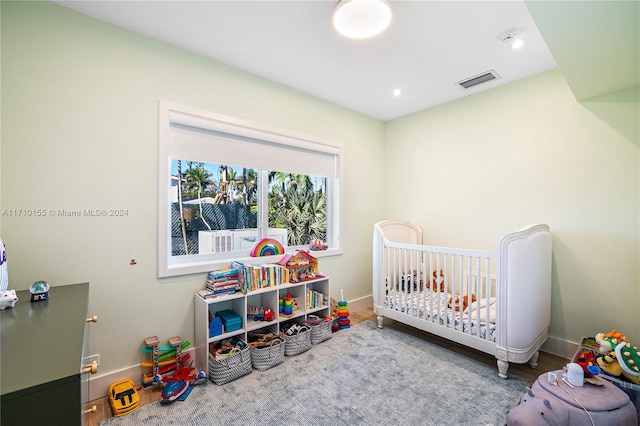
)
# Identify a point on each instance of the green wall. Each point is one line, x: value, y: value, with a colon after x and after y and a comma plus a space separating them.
x: 527, y: 152
x: 79, y: 130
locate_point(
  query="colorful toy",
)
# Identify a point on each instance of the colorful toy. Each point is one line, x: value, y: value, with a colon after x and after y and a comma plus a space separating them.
x: 288, y: 305
x: 618, y: 357
x: 267, y: 247
x: 260, y: 314
x: 342, y: 312
x: 317, y: 245
x: 178, y: 386
x: 123, y: 397
x: 280, y: 304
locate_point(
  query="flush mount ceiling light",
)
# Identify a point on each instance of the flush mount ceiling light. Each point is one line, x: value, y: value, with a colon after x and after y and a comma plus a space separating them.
x: 361, y: 18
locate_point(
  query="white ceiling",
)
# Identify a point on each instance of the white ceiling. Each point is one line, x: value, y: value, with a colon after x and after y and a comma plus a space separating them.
x: 429, y: 47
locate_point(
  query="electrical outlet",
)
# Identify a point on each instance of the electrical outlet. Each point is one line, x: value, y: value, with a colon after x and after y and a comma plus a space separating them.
x: 89, y: 359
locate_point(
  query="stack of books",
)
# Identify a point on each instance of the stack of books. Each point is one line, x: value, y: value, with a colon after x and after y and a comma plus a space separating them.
x: 221, y: 282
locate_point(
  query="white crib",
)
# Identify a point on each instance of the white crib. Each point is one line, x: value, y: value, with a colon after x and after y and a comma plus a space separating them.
x: 426, y: 286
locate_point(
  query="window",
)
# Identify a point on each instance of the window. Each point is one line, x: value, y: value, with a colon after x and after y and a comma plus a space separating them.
x: 224, y: 183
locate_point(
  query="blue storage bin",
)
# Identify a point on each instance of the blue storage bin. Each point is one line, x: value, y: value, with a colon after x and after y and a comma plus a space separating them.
x: 230, y: 320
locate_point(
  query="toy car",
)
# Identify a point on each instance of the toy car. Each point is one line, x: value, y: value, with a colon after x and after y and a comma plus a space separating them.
x: 265, y: 315
x: 123, y: 397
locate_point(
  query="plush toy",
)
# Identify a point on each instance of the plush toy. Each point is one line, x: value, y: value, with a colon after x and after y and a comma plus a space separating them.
x: 465, y: 302
x: 437, y: 283
x: 618, y: 357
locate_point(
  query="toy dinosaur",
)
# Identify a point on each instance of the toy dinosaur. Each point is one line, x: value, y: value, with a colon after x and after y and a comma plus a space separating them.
x: 618, y: 357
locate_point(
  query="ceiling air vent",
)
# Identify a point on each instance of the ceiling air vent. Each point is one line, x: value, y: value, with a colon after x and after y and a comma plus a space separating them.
x: 479, y: 79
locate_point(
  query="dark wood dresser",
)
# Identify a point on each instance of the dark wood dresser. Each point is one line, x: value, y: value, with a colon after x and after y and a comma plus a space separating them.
x: 42, y: 349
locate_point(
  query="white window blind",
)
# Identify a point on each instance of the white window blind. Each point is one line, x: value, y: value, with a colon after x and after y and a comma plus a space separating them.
x: 201, y: 138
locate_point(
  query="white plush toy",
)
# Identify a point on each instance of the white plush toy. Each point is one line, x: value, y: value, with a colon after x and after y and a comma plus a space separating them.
x: 8, y: 298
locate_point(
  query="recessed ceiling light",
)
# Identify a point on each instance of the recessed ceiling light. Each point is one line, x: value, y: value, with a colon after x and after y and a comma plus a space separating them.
x: 511, y: 39
x: 518, y: 43
x: 397, y: 92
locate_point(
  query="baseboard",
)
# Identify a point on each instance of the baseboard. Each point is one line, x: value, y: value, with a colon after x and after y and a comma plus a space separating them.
x: 560, y: 347
x: 361, y: 303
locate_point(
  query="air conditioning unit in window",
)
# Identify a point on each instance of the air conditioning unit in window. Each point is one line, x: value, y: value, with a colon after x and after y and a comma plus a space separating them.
x: 245, y: 239
x: 235, y: 239
x: 215, y: 241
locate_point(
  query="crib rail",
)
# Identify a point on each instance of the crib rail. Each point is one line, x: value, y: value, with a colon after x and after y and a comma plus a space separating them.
x: 452, y: 287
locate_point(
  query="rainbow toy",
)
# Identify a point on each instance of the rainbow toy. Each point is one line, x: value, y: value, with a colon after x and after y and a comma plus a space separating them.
x: 343, y: 313
x: 267, y: 247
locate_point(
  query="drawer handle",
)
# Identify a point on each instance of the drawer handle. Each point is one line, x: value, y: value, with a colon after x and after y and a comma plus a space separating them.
x: 93, y: 319
x: 92, y: 368
x: 91, y: 410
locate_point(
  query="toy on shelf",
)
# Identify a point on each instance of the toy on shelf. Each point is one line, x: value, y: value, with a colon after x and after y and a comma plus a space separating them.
x: 342, y: 312
x: 260, y: 313
x: 302, y: 266
x: 618, y: 357
x: 267, y: 247
x: 288, y: 305
x: 317, y: 245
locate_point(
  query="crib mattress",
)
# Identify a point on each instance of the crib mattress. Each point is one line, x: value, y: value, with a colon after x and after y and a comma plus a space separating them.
x: 432, y: 307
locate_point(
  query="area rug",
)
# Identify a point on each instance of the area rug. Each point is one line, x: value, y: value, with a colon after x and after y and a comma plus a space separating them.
x: 361, y: 376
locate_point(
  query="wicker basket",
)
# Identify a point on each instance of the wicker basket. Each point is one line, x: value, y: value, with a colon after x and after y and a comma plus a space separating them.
x: 269, y: 356
x: 321, y: 332
x: 226, y: 369
x: 298, y: 343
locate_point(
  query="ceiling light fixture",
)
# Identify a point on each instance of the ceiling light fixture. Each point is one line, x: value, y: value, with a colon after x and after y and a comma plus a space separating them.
x: 511, y: 39
x: 361, y: 18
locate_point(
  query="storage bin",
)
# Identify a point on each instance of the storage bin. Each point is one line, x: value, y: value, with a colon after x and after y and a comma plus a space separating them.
x: 230, y: 320
x: 320, y: 330
x: 297, y: 343
x: 225, y: 369
x: 263, y: 358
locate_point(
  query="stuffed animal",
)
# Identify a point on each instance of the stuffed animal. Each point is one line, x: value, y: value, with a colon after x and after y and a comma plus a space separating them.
x: 618, y: 357
x: 465, y: 302
x: 8, y: 299
x: 437, y: 283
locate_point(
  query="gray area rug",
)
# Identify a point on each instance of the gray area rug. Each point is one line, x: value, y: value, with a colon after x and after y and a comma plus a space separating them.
x: 361, y: 376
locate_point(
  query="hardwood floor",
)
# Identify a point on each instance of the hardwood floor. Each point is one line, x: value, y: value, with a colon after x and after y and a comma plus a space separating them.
x: 546, y: 362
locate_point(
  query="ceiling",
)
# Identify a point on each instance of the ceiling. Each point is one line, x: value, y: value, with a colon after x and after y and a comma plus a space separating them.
x: 428, y: 48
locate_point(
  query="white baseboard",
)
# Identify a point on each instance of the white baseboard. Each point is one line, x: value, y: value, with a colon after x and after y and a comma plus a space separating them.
x: 559, y: 347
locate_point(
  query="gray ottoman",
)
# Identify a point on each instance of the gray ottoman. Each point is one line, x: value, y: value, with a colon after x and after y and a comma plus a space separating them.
x: 545, y: 403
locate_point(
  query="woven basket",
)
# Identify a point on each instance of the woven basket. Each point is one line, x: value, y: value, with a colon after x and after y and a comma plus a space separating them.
x: 298, y: 343
x: 226, y: 369
x: 268, y: 356
x: 321, y: 332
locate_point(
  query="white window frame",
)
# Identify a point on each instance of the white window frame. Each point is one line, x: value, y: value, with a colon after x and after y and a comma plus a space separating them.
x: 171, y: 113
